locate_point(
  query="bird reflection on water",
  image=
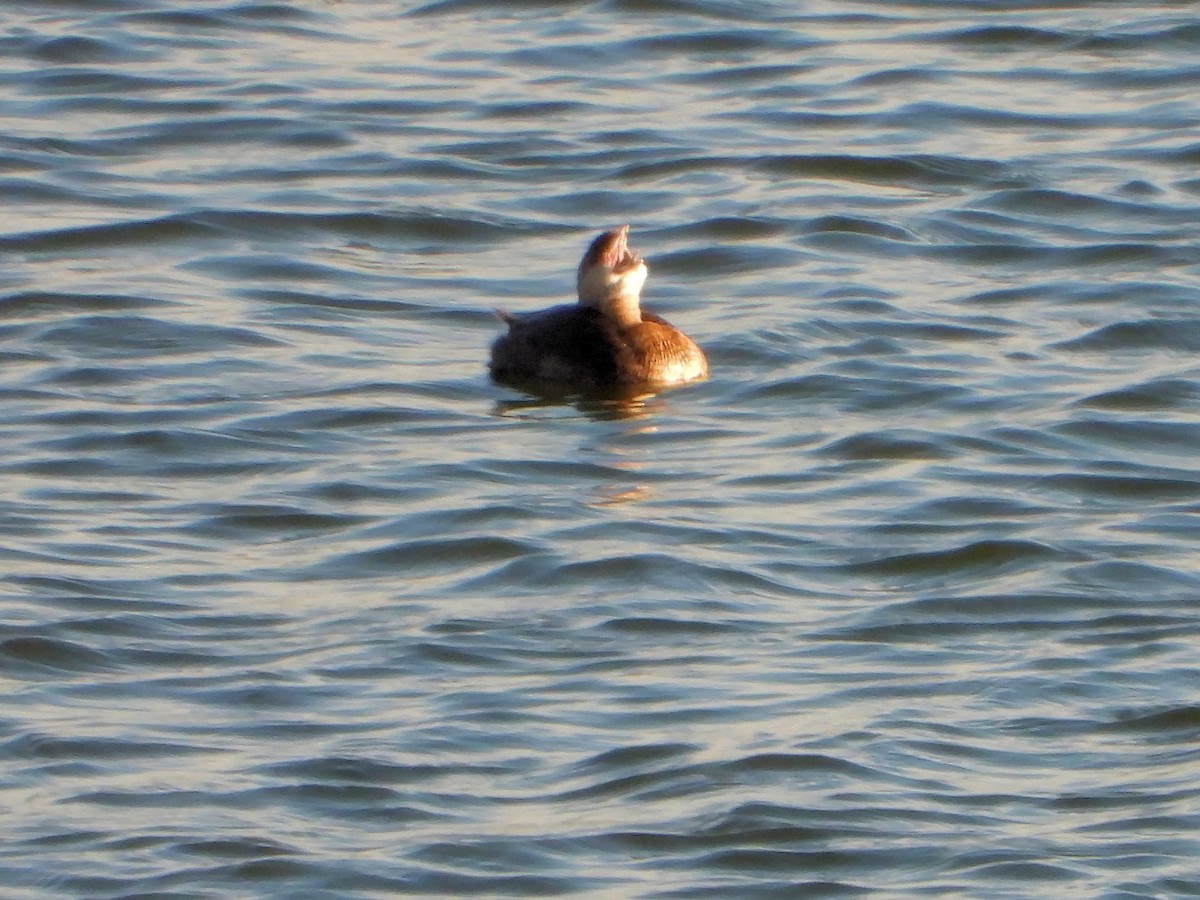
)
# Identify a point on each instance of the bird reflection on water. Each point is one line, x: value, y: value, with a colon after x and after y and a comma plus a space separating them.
x: 600, y: 407
x: 637, y: 408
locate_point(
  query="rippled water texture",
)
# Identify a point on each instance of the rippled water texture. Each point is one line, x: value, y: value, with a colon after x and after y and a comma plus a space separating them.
x: 903, y: 601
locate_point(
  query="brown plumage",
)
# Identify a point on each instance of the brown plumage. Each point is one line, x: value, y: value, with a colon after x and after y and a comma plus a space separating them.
x: 603, y: 341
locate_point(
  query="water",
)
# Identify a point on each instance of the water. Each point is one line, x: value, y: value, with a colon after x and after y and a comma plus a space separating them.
x: 903, y: 601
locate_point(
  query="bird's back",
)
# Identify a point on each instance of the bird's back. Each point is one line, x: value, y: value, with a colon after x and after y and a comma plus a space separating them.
x: 579, y: 346
x: 567, y: 344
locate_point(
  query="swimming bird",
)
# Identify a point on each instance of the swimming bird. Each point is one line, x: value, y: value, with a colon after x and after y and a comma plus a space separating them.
x: 605, y: 339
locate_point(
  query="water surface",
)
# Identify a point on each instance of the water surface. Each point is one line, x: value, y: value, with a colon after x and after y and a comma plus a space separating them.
x: 903, y: 601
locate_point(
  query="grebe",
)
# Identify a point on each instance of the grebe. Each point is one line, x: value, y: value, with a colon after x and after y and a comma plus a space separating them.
x: 605, y: 340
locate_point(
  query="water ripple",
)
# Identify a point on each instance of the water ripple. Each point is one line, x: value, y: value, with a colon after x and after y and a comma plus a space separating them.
x: 901, y: 600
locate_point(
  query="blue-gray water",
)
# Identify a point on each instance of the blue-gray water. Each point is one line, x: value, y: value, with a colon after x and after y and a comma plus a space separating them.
x: 903, y: 601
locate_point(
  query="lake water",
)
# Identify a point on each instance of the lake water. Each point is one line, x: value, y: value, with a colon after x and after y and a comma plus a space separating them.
x: 903, y: 601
